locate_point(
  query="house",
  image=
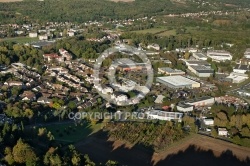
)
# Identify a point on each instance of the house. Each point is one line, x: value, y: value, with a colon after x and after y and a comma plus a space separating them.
x: 44, y: 100
x: 159, y: 99
x: 43, y: 37
x: 50, y: 57
x: 65, y: 54
x: 208, y: 122
x: 71, y: 33
x: 222, y: 132
x: 33, y: 34
x: 18, y: 65
x: 28, y: 96
x: 119, y: 97
x: 14, y: 83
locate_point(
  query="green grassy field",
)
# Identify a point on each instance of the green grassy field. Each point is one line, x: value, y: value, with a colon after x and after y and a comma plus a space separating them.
x: 20, y: 39
x: 72, y: 133
x: 161, y: 31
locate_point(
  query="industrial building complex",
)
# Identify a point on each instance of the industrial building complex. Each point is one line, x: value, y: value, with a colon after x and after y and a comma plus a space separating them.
x: 178, y: 82
x: 189, y: 105
x: 219, y: 55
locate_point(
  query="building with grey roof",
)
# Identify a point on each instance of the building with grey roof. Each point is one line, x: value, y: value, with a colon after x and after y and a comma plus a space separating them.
x: 201, y: 71
x: 178, y: 82
x: 219, y: 55
x: 189, y: 105
x: 241, y: 68
x: 199, y: 56
x: 196, y: 63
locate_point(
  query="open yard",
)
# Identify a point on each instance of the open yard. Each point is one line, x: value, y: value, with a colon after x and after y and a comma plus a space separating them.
x: 160, y: 31
x: 20, y: 39
x: 195, y: 150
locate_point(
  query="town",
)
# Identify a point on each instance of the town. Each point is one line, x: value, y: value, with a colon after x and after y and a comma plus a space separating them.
x: 146, y: 81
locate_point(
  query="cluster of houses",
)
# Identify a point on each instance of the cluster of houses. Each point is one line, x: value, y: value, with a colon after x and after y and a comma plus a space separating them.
x: 64, y: 56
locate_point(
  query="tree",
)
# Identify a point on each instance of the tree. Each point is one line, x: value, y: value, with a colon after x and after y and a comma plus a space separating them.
x: 8, y: 156
x: 111, y: 163
x: 72, y: 105
x: 23, y: 152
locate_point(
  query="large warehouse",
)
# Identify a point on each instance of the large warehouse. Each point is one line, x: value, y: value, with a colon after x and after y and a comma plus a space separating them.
x: 189, y: 105
x: 178, y: 82
x: 162, y: 115
x: 219, y: 55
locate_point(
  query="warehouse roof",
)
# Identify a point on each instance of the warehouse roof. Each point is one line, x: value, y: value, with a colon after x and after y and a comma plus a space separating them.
x: 203, y: 69
x: 200, y: 55
x: 177, y: 80
x: 170, y: 70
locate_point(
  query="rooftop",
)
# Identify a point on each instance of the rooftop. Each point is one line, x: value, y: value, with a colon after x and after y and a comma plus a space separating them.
x: 242, y: 67
x: 177, y: 80
x: 200, y: 55
x: 197, y: 62
x: 170, y: 70
x: 199, y: 99
x: 203, y: 69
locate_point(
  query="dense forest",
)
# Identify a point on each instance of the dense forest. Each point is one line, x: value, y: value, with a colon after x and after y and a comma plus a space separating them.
x: 83, y: 10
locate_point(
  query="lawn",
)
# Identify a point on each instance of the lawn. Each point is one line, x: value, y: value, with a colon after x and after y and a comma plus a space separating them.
x: 71, y: 132
x: 20, y: 39
x: 161, y: 31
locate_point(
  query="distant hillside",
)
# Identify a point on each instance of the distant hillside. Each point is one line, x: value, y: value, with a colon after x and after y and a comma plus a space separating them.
x: 82, y: 10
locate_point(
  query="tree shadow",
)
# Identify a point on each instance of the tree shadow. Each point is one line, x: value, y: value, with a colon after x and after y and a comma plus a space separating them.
x: 101, y: 149
x: 195, y: 156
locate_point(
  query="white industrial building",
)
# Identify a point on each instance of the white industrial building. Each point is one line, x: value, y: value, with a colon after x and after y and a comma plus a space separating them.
x: 245, y: 93
x: 162, y: 115
x: 178, y: 82
x: 170, y: 71
x: 200, y: 56
x: 241, y: 68
x: 219, y: 55
x: 196, y: 63
x: 189, y: 105
x: 237, y: 77
x: 201, y: 71
x: 183, y: 107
